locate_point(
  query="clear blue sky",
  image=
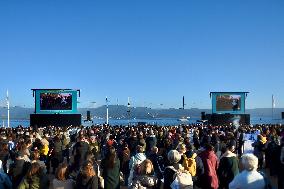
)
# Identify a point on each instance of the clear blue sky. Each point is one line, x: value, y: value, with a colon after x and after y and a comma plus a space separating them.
x: 154, y: 51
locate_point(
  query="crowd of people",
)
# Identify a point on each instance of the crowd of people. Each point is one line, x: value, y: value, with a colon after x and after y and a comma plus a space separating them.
x: 140, y: 157
x: 55, y: 101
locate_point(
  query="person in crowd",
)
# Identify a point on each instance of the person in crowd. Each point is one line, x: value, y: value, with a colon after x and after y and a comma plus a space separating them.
x: 4, y: 155
x: 135, y: 160
x: 34, y: 179
x: 124, y: 162
x: 18, y: 169
x: 45, y: 149
x: 259, y: 149
x: 145, y: 178
x: 5, y: 181
x: 35, y: 157
x: 133, y: 142
x: 272, y: 153
x: 172, y: 170
x: 35, y: 144
x: 281, y: 167
x: 61, y: 181
x: 249, y: 177
x: 141, y: 140
x: 111, y: 170
x: 57, y: 156
x: 80, y: 151
x: 65, y: 146
x: 241, y: 142
x: 156, y: 161
x: 151, y: 141
x: 87, y: 178
x: 209, y: 180
x: 228, y: 167
x: 193, y: 164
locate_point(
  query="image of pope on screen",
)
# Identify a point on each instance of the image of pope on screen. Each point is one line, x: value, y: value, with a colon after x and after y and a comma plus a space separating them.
x: 228, y: 102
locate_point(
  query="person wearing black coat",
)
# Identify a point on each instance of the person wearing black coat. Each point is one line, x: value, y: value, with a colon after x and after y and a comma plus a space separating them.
x: 18, y: 169
x: 154, y: 157
x: 80, y: 151
x: 151, y: 141
x: 57, y: 156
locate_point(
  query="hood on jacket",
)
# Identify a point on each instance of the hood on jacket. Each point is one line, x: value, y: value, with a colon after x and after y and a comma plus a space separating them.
x: 140, y: 156
x: 228, y: 154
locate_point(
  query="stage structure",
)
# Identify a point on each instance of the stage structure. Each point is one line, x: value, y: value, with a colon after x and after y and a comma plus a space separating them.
x: 228, y: 108
x: 57, y: 107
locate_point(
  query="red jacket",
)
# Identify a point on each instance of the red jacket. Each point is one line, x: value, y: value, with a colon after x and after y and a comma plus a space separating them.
x: 209, y: 179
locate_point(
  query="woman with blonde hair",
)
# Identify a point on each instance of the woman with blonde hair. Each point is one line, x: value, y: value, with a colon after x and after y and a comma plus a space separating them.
x: 60, y: 181
x: 87, y: 178
x: 145, y: 178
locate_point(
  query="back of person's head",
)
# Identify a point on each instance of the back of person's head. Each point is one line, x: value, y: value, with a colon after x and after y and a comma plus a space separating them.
x: 61, y: 172
x: 35, y: 155
x: 4, y: 147
x: 249, y: 162
x: 139, y: 149
x: 34, y: 170
x: 174, y: 156
x: 111, y: 157
x: 147, y: 167
x: 87, y: 170
x: 208, y: 147
x: 155, y: 149
x: 182, y: 148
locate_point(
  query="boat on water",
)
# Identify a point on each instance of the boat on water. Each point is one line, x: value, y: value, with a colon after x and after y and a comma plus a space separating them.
x: 184, y: 119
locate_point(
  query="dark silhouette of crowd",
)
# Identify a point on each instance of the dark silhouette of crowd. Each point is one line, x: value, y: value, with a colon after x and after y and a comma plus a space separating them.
x: 55, y: 101
x: 141, y: 157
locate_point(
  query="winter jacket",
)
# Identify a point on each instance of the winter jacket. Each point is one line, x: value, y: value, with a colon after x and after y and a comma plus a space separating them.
x: 248, y: 180
x: 228, y: 168
x: 18, y: 170
x: 5, y: 181
x: 35, y: 182
x: 209, y: 179
x: 81, y: 149
x: 156, y: 164
x: 135, y: 160
x: 111, y: 175
x: 86, y: 183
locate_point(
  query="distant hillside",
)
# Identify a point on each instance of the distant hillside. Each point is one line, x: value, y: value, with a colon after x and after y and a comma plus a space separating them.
x: 139, y: 112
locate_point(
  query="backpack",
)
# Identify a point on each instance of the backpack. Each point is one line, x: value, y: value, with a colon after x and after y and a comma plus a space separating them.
x: 182, y: 180
x: 189, y: 164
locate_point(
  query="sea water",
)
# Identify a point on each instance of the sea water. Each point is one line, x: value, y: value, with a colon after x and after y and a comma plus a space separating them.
x: 158, y: 121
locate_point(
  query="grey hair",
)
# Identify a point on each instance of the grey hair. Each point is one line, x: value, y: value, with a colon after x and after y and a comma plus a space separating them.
x: 249, y: 162
x: 174, y: 156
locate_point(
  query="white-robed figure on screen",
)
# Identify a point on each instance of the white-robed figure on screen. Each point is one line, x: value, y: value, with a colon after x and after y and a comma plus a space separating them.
x: 249, y: 178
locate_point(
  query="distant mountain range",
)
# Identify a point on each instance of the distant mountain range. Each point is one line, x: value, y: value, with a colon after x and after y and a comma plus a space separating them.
x: 120, y: 111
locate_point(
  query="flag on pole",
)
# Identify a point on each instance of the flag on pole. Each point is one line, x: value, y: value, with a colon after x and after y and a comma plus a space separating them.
x: 273, y: 101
